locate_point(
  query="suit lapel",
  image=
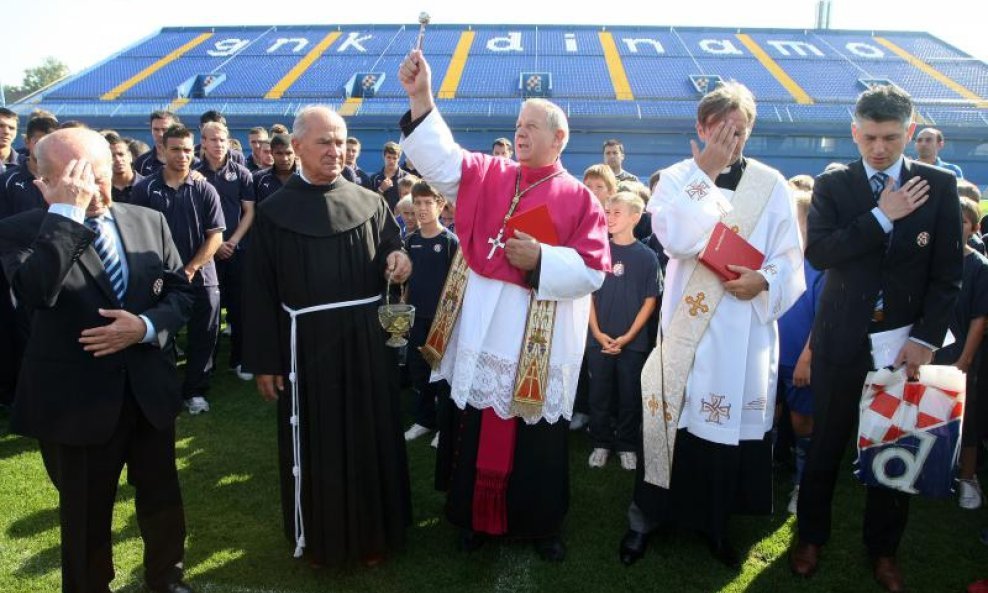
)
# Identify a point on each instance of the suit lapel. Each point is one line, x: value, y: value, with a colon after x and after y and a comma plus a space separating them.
x: 130, y: 235
x: 861, y: 185
x: 91, y: 262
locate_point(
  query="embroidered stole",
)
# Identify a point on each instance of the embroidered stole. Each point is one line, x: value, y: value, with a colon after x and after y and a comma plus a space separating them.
x: 667, y: 368
x: 496, y: 445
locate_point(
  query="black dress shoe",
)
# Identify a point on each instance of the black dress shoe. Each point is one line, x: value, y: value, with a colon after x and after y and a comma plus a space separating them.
x: 551, y: 549
x: 176, y: 587
x: 470, y: 541
x: 632, y: 547
x: 724, y: 552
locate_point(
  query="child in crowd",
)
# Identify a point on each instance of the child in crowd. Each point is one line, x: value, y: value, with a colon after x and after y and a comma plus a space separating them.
x: 431, y: 248
x: 795, y: 355
x: 601, y: 181
x: 968, y: 326
x: 448, y: 216
x: 616, y: 347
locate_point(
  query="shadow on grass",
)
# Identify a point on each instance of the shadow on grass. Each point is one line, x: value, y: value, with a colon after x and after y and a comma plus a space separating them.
x: 35, y: 523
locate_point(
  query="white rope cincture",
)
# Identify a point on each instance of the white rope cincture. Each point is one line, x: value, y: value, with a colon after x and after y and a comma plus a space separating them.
x: 295, y: 419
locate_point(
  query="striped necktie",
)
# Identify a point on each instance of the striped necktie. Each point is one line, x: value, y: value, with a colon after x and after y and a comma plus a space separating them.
x: 106, y: 247
x: 878, y: 182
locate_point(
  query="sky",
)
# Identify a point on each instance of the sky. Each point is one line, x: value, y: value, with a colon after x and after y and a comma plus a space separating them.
x: 82, y: 34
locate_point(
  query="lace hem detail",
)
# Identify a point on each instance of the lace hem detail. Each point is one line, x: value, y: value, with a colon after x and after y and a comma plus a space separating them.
x: 485, y: 380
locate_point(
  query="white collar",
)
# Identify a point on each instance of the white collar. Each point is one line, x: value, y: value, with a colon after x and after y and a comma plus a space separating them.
x: 893, y: 172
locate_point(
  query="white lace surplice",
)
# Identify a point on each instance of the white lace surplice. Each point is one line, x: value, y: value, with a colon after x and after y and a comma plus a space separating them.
x: 481, y: 359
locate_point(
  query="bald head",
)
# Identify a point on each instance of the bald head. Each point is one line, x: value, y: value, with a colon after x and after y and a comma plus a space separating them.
x: 312, y: 115
x: 56, y: 150
x: 319, y: 140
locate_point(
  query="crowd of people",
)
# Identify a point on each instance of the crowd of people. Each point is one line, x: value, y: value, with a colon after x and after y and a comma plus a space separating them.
x: 544, y: 303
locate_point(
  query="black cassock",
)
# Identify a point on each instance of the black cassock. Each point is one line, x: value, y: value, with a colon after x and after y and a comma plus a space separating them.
x: 313, y: 245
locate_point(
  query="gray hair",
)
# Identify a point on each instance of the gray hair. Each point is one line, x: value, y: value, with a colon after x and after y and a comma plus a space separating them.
x: 883, y: 103
x: 299, y: 126
x: 554, y: 117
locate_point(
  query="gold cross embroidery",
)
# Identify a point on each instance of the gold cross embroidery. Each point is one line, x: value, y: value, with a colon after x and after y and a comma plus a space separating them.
x: 653, y: 405
x: 697, y: 305
x: 715, y: 409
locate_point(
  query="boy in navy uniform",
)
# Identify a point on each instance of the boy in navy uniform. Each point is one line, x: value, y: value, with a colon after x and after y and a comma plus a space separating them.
x: 124, y: 175
x: 431, y: 249
x: 268, y: 181
x: 195, y: 217
x: 968, y: 327
x: 17, y: 191
x: 617, y: 346
x: 235, y: 186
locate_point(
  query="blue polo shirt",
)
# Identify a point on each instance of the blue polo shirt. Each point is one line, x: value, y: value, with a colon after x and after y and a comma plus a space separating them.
x: 266, y: 182
x: 123, y: 195
x: 18, y: 192
x: 12, y: 161
x: 950, y: 167
x: 363, y: 178
x: 431, y: 259
x: 147, y: 163
x: 235, y: 185
x: 391, y: 194
x: 191, y: 211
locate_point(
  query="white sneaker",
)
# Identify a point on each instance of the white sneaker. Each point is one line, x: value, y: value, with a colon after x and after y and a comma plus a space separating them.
x: 579, y: 421
x: 197, y: 405
x: 629, y: 460
x: 598, y: 458
x: 969, y: 494
x: 793, y: 501
x: 243, y: 375
x: 415, y: 432
x: 435, y: 441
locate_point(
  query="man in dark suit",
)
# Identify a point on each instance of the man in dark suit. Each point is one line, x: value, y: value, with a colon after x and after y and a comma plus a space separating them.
x: 887, y: 231
x: 105, y: 288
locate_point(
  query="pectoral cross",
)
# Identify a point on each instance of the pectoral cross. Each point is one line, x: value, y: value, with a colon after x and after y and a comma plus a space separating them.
x: 495, y: 243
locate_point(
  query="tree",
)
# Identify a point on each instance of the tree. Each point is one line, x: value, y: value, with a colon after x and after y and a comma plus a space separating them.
x: 50, y: 70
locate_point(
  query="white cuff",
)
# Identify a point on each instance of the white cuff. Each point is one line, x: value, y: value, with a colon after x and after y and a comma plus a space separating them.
x: 882, y: 219
x: 564, y: 276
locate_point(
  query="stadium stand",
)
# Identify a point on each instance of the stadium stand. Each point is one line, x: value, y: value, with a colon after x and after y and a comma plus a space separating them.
x: 631, y: 82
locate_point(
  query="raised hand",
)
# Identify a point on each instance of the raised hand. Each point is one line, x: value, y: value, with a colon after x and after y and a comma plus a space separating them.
x: 897, y: 203
x: 718, y: 152
x: 416, y: 77
x: 76, y: 187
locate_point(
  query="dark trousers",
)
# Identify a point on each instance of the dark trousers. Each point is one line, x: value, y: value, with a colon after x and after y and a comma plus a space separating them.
x: 620, y: 374
x: 203, y: 327
x: 837, y: 395
x: 9, y: 344
x: 425, y: 395
x: 230, y: 272
x: 86, y: 479
x: 581, y: 403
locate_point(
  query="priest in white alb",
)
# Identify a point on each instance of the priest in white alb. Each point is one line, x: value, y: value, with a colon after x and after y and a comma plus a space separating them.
x: 708, y: 393
x: 511, y: 324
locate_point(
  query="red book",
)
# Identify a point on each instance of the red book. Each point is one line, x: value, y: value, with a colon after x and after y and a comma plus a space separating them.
x: 535, y: 222
x: 727, y: 248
